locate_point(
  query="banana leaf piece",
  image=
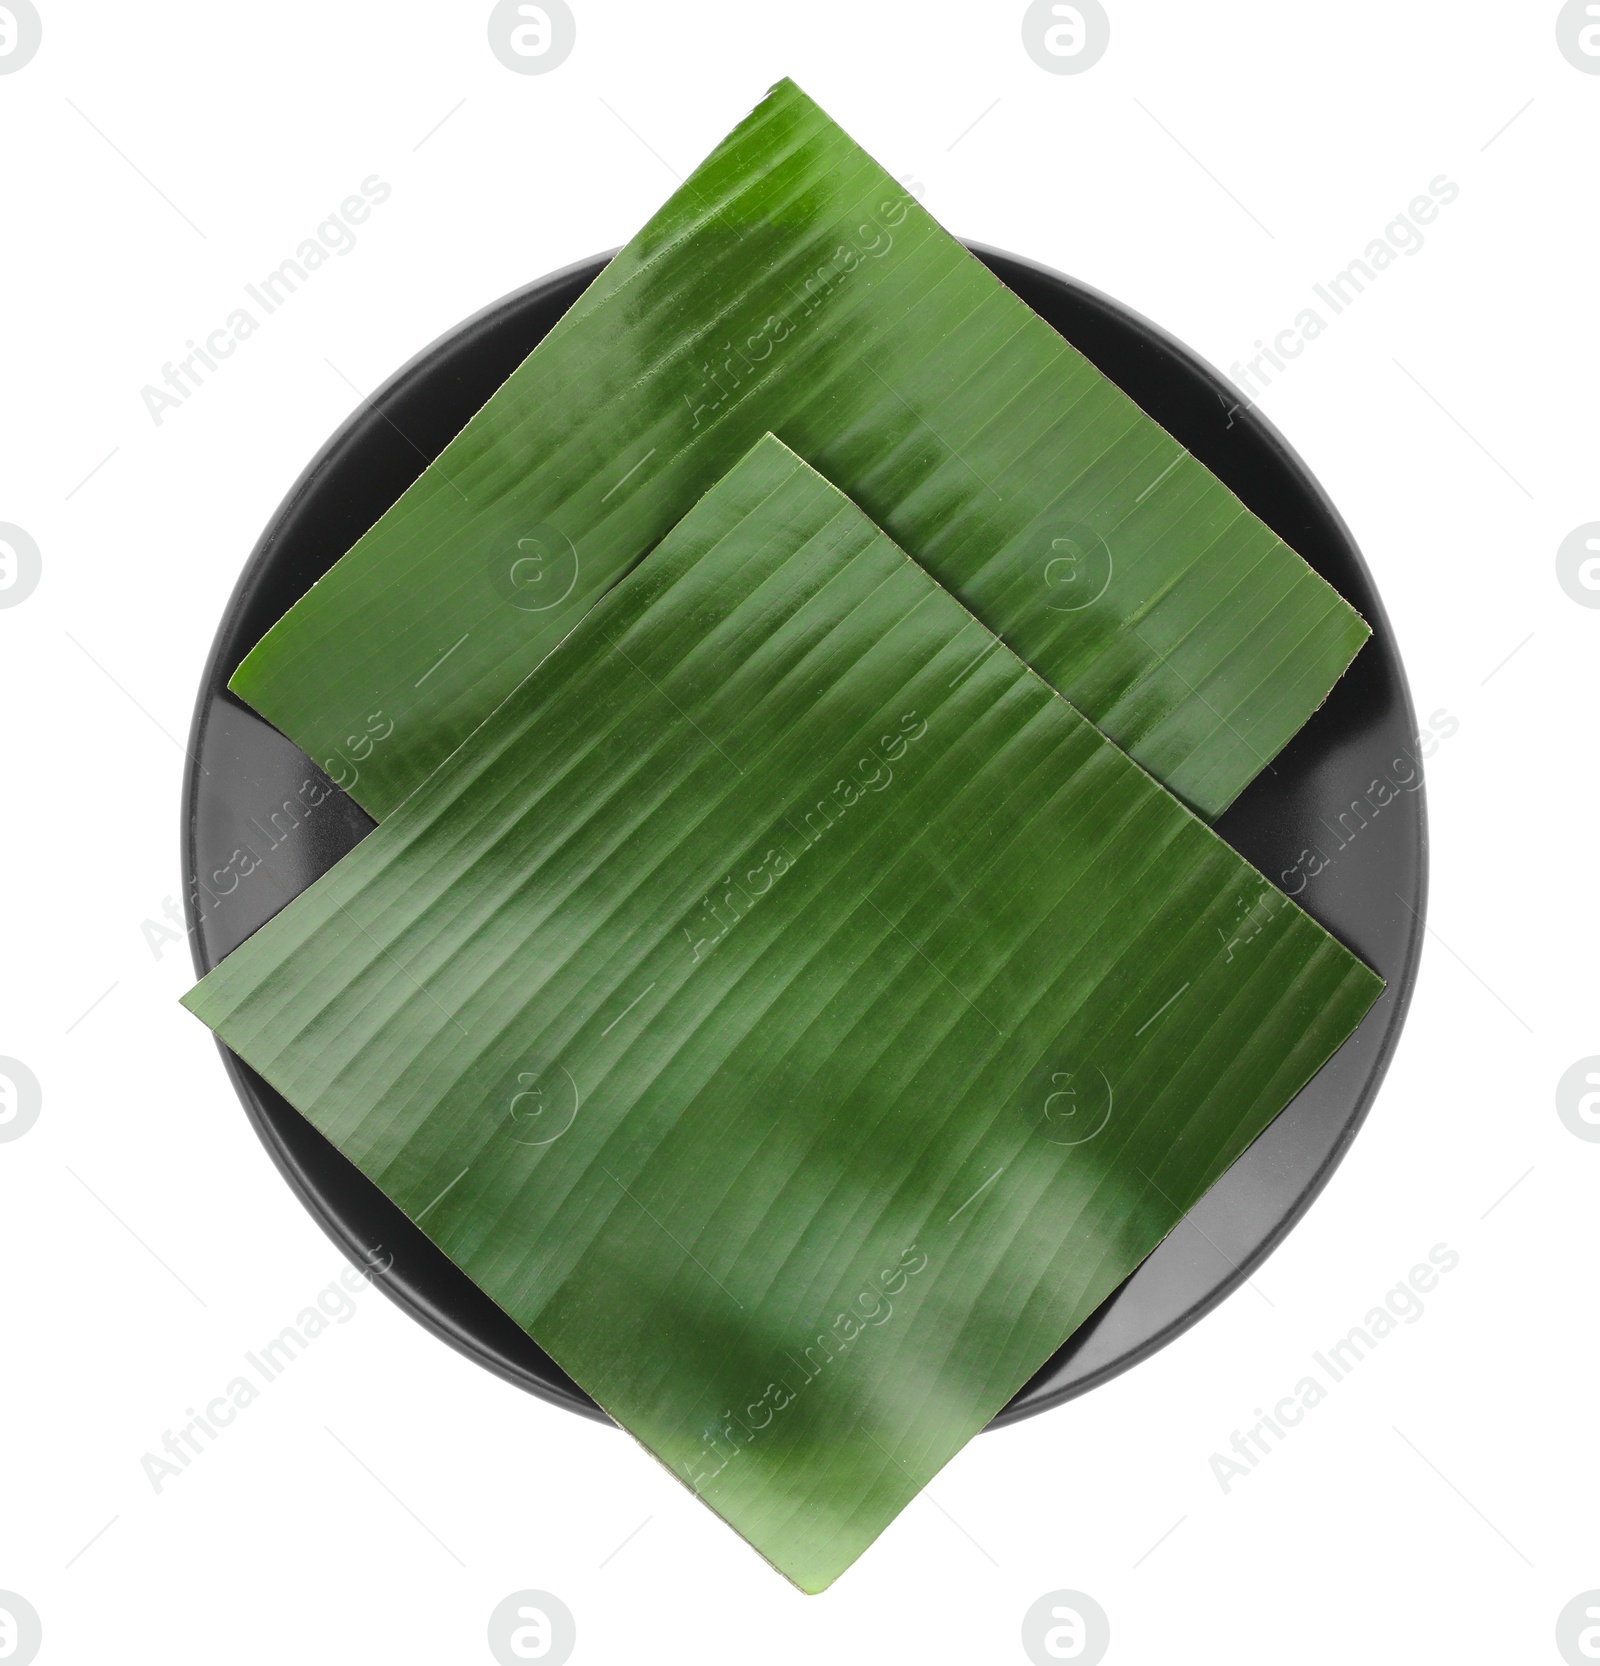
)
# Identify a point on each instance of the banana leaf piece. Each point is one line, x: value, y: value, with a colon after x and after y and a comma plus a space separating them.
x: 791, y: 285
x: 792, y: 1012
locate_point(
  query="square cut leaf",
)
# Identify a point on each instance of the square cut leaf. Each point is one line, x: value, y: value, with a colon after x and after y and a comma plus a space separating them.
x: 792, y: 1012
x: 790, y: 285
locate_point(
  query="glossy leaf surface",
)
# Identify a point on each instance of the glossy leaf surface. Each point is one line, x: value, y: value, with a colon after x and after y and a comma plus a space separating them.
x: 790, y: 285
x: 792, y: 1012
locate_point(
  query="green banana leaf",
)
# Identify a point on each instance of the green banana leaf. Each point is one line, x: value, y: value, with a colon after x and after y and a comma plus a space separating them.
x: 792, y: 1012
x: 791, y: 285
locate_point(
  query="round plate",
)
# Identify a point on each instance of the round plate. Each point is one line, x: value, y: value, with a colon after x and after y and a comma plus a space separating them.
x: 1347, y: 788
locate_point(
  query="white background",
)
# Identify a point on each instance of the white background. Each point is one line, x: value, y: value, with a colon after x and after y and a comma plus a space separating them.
x: 1439, y: 1504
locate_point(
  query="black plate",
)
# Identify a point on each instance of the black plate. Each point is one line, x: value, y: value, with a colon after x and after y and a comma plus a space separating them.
x: 1370, y: 891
